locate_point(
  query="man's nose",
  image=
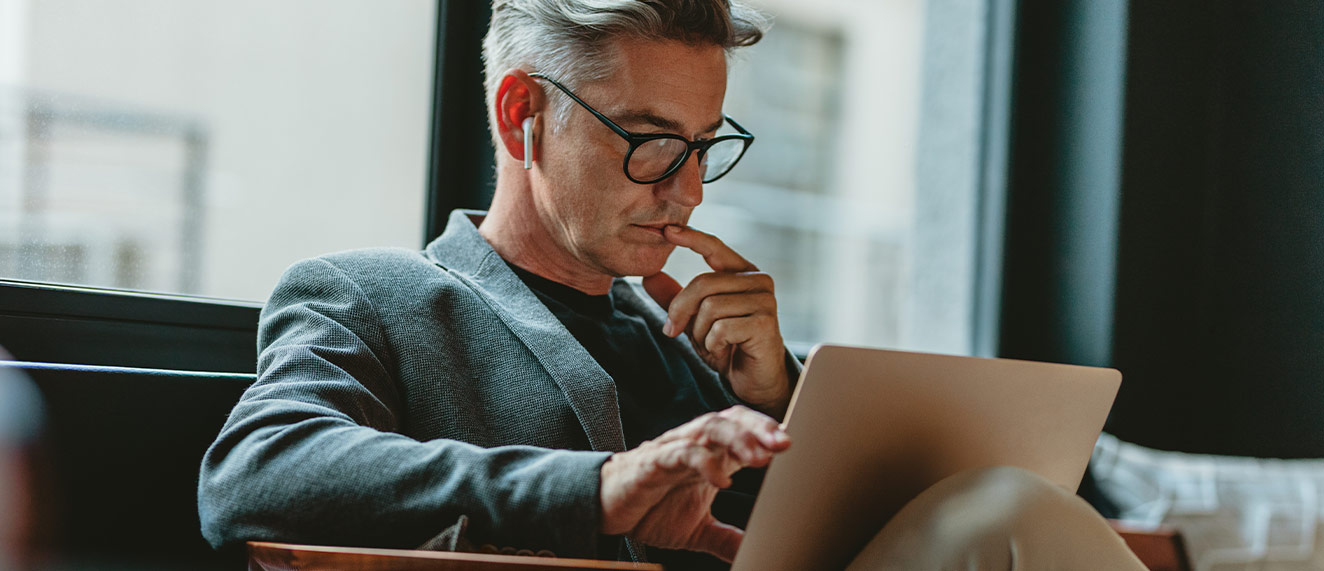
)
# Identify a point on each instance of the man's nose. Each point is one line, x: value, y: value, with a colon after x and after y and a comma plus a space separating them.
x: 685, y: 187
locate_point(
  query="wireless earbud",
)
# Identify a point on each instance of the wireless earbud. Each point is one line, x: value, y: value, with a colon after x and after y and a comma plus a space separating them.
x: 528, y: 143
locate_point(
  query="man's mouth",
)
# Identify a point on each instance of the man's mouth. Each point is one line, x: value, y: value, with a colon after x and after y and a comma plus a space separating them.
x: 658, y: 228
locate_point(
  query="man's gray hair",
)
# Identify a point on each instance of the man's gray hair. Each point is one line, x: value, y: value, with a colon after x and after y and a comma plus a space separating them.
x: 568, y: 39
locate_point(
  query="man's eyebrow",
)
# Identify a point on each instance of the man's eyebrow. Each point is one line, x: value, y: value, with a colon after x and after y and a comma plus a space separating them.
x: 651, y: 118
x: 715, y: 126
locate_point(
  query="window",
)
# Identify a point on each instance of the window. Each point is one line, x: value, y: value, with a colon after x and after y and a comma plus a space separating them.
x: 201, y: 147
x: 196, y: 148
x: 860, y: 195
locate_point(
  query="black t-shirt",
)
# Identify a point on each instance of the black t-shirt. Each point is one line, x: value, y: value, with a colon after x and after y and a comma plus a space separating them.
x: 654, y: 386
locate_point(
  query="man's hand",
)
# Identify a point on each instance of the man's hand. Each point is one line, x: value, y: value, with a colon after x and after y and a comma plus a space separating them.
x: 730, y: 315
x: 661, y: 493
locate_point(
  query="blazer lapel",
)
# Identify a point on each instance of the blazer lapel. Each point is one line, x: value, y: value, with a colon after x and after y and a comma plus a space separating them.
x: 589, y: 390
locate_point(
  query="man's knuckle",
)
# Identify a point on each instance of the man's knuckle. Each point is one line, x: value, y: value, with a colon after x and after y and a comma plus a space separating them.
x: 717, y: 463
x: 707, y: 420
x: 702, y: 324
x: 699, y: 456
x: 718, y: 329
x: 748, y: 438
x: 709, y: 304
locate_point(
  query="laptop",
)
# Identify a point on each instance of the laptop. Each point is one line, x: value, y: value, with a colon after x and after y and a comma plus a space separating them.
x: 870, y: 429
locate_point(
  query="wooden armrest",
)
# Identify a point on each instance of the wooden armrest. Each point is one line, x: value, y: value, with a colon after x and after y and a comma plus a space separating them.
x: 1160, y: 549
x: 264, y: 556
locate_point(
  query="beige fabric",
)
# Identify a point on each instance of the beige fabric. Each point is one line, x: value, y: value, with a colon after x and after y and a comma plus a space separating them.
x: 996, y: 519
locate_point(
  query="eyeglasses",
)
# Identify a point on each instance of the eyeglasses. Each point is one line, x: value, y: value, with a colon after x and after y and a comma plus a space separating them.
x: 653, y: 157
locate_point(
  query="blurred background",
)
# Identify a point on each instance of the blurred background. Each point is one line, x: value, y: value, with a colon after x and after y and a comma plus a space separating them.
x: 1137, y: 185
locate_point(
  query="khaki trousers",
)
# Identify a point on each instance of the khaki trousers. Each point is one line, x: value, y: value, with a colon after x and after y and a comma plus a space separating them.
x: 996, y: 519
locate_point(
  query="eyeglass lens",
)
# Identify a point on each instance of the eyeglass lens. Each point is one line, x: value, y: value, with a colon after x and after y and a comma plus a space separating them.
x: 652, y: 160
x: 721, y: 157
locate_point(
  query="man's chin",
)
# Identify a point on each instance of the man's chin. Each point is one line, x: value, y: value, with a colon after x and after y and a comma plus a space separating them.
x: 645, y: 262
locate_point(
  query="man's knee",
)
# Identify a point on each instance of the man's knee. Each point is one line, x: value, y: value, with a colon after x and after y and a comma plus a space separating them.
x: 999, y: 480
x: 995, y: 500
x: 995, y: 518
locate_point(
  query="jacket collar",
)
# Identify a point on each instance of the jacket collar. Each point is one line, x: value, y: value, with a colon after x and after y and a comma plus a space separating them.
x: 463, y: 252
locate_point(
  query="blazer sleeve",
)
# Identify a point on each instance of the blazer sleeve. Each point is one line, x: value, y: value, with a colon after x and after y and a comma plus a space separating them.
x: 312, y: 453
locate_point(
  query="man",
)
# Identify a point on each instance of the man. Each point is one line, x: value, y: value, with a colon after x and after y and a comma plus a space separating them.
x: 504, y: 388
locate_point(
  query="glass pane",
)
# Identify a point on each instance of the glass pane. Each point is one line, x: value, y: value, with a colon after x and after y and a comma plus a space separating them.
x: 859, y: 194
x: 202, y: 146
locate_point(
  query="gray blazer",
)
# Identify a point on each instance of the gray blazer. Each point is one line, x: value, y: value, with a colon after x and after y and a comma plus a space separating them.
x: 398, y: 390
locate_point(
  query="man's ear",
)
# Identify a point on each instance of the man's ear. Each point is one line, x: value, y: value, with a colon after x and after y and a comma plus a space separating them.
x: 518, y: 97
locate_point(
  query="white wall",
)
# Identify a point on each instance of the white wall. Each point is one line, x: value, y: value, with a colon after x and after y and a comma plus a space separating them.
x: 317, y: 115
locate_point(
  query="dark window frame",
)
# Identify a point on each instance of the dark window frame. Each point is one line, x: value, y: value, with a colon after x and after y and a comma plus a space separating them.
x: 462, y: 167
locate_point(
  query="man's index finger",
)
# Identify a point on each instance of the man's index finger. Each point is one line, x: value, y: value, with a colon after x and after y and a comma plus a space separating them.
x: 715, y: 252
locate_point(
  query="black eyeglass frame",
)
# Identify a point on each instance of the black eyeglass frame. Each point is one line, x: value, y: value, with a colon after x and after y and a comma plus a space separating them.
x: 637, y: 139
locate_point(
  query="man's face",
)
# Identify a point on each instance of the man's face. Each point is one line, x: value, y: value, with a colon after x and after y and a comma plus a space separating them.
x: 610, y: 224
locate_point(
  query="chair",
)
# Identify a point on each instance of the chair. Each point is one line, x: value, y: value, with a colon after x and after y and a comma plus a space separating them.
x: 1160, y: 549
x: 118, y: 463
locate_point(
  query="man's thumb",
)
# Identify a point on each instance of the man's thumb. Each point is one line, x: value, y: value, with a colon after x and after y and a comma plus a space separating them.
x: 662, y: 288
x: 719, y: 539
